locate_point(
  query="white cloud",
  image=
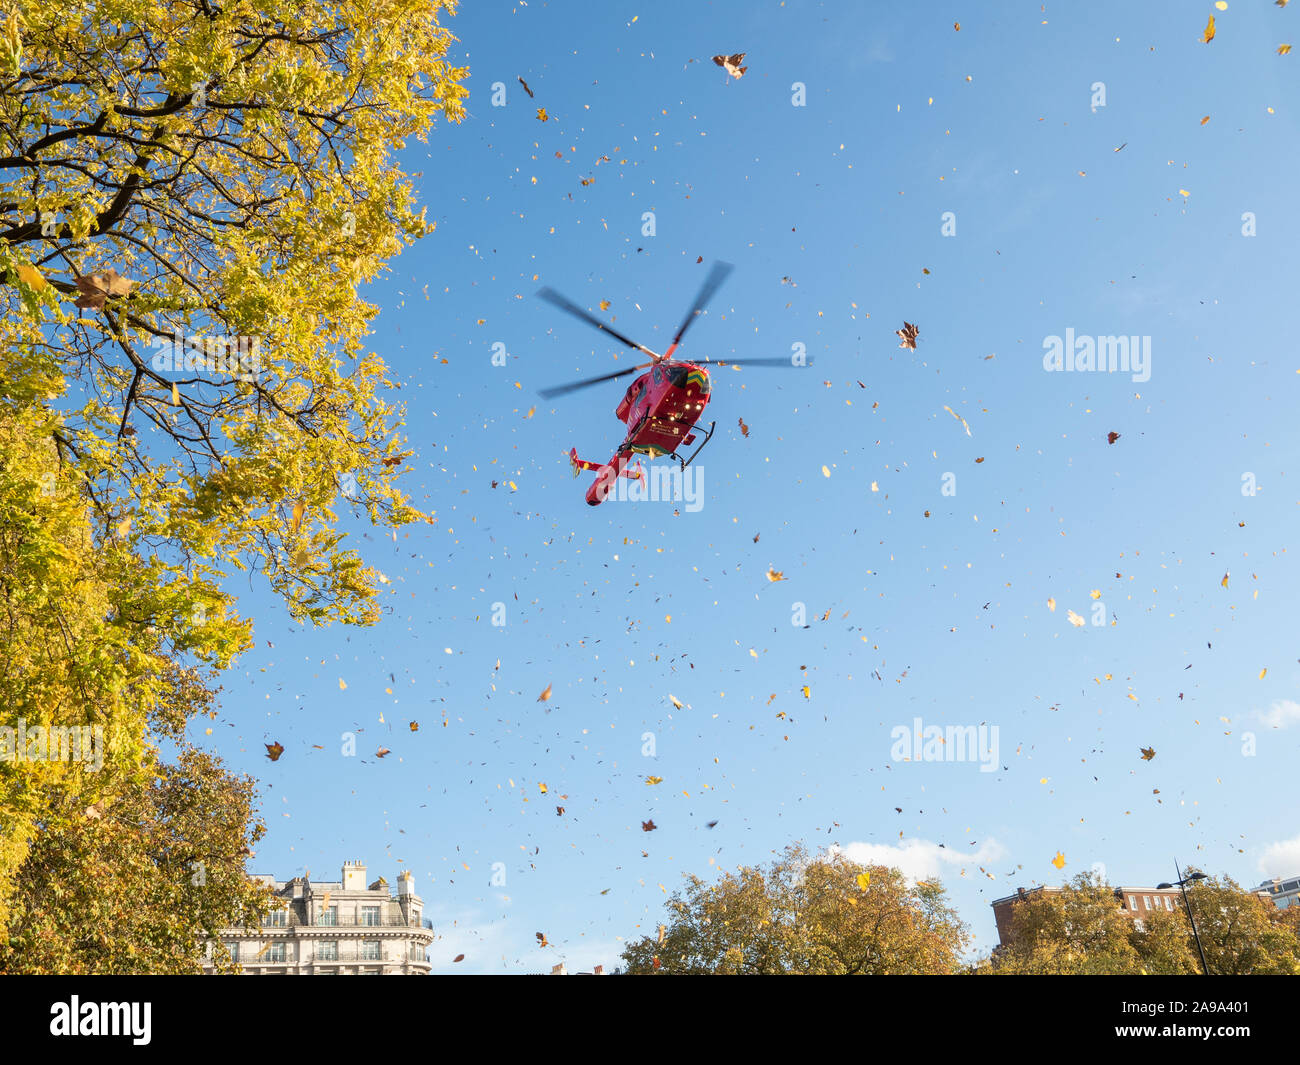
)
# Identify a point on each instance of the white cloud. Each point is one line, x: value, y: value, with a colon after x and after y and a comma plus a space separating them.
x: 1282, y: 713
x: 922, y: 859
x: 1281, y: 859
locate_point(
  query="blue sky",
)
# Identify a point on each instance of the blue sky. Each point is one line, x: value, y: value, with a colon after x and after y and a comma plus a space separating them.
x: 938, y: 603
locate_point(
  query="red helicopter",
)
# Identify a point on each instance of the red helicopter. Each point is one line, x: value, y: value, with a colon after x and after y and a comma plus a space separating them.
x: 662, y: 409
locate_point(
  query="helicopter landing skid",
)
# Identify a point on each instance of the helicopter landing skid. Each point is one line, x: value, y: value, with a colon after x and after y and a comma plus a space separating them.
x: 708, y: 435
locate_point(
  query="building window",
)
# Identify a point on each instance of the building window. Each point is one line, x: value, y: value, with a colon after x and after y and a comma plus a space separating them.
x: 370, y: 950
x: 275, y: 919
x: 276, y: 953
x: 370, y: 915
x: 1133, y: 903
x: 327, y: 950
x: 328, y: 915
x: 234, y: 951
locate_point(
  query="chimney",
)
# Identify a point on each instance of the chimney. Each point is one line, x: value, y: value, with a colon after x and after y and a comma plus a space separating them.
x: 354, y: 876
x: 405, y: 883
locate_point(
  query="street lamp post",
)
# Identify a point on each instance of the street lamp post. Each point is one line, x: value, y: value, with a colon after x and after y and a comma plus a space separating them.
x: 1182, y: 883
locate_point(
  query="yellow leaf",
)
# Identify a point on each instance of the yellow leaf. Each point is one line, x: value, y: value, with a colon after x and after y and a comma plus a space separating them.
x: 826, y: 471
x: 545, y: 695
x: 1208, y: 35
x: 1205, y: 120
x: 675, y: 701
x: 541, y: 787
x: 863, y: 880
x: 343, y: 685
x: 1262, y: 672
x: 604, y: 305
x: 774, y: 575
x: 651, y: 781
x: 1283, y: 49
x: 1184, y: 193
x: 299, y: 509
x: 124, y: 526
x: 1224, y: 583
x: 807, y: 692
x: 542, y: 116
x: 1074, y: 619
x: 1051, y: 605
x: 176, y: 396
x: 1095, y: 594
x: 1059, y: 860
x: 31, y: 276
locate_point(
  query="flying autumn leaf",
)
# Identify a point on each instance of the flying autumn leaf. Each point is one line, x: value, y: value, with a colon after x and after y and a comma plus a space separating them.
x: 675, y: 701
x: 542, y: 116
x: 541, y: 939
x: 1111, y: 437
x: 382, y: 751
x: 274, y: 750
x: 744, y: 429
x: 653, y: 780
x: 1074, y: 619
x: 604, y: 305
x: 864, y: 879
x: 731, y: 64
x: 1283, y: 49
x: 775, y: 575
x: 96, y: 288
x: 458, y: 957
x: 526, y: 88
x: 545, y: 695
x: 1208, y: 35
x: 415, y: 726
x: 908, y: 334
x: 1147, y: 753
x: 1051, y: 605
x: 1059, y: 860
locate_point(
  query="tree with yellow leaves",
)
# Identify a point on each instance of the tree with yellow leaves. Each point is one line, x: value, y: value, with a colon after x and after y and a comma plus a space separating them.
x: 191, y: 194
x: 805, y: 915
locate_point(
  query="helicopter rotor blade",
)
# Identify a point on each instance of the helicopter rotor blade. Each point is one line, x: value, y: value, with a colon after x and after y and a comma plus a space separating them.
x: 779, y: 361
x: 553, y: 297
x: 716, y: 276
x: 561, y: 390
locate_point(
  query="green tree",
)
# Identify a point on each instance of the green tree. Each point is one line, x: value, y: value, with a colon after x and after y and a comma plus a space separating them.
x: 804, y: 914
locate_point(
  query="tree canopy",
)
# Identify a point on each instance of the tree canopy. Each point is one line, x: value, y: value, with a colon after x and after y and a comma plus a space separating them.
x: 192, y: 194
x: 804, y: 915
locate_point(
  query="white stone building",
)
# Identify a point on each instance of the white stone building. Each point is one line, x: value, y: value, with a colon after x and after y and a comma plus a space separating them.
x: 343, y: 927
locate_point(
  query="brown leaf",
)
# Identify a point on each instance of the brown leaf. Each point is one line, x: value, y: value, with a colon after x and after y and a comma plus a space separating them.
x: 382, y: 751
x: 908, y: 334
x: 731, y: 64
x: 744, y: 429
x: 541, y: 939
x: 648, y: 826
x: 1147, y: 753
x: 1111, y: 437
x: 545, y: 695
x: 274, y: 750
x: 526, y: 88
x: 458, y: 957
